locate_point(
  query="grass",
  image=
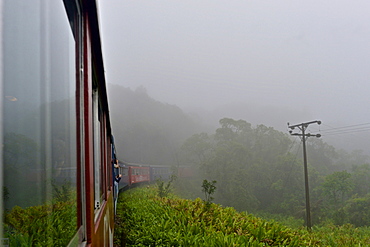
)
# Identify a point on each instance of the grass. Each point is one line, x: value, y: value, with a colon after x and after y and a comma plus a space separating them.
x: 51, y: 224
x: 144, y: 219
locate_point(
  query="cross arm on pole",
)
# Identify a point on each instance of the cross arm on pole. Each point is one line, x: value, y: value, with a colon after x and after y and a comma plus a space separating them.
x: 303, y: 124
x: 308, y: 135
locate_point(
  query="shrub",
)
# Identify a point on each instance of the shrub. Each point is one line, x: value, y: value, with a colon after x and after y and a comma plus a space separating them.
x: 164, y: 188
x: 209, y: 189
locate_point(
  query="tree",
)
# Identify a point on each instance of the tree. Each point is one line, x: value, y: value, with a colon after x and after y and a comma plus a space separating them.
x: 232, y: 129
x: 209, y: 189
x: 358, y: 210
x: 5, y: 193
x: 165, y: 188
x: 20, y: 156
x: 322, y: 156
x: 197, y: 148
x: 361, y: 179
x: 336, y: 186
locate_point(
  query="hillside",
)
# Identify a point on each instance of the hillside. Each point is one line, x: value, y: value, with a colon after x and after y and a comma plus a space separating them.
x: 258, y: 168
x: 146, y: 130
x: 144, y: 219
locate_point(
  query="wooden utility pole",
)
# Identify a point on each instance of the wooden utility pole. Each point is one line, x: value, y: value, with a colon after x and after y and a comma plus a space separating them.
x: 303, y: 127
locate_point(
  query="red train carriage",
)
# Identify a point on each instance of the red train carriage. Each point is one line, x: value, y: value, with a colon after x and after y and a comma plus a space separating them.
x: 133, y: 173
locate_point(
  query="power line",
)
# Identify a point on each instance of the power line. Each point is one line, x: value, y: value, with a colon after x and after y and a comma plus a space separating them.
x: 347, y: 132
x: 350, y: 129
x: 291, y: 165
x: 294, y: 160
x: 344, y: 127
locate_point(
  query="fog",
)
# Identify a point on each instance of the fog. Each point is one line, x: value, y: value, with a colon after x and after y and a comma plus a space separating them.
x: 268, y: 62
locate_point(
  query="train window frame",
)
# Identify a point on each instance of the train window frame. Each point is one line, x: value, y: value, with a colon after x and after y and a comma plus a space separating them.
x: 73, y: 10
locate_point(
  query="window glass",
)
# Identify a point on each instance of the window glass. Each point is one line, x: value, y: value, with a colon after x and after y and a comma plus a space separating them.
x: 39, y: 127
x: 98, y: 173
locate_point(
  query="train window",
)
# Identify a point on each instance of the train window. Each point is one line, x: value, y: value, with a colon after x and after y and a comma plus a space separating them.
x: 39, y: 121
x: 123, y: 171
x: 98, y: 164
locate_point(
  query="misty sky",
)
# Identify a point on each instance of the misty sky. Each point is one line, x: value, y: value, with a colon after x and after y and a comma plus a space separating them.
x: 309, y: 57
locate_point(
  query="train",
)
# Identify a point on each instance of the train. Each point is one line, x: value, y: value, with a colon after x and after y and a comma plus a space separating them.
x: 134, y: 173
x: 56, y: 131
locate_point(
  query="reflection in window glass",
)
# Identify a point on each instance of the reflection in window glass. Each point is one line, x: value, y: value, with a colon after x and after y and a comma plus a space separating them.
x: 39, y: 142
x: 97, y: 151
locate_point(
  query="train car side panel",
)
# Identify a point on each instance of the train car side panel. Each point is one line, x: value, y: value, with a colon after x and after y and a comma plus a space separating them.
x: 163, y: 173
x: 98, y: 209
x: 139, y: 174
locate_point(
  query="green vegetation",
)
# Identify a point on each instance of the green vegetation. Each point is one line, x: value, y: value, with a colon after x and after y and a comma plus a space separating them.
x: 259, y: 170
x: 52, y: 224
x: 46, y: 225
x: 165, y: 188
x: 144, y: 219
x: 5, y: 193
x: 209, y: 189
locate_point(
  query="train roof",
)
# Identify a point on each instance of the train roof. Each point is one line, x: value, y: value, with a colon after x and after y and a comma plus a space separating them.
x: 127, y: 164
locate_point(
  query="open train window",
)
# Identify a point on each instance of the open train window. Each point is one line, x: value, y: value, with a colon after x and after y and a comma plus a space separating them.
x: 39, y: 118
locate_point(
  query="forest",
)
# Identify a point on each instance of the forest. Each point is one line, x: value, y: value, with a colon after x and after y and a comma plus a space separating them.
x: 258, y: 169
